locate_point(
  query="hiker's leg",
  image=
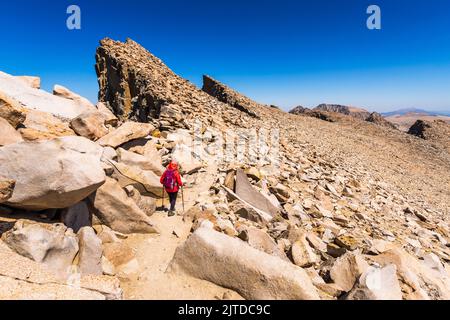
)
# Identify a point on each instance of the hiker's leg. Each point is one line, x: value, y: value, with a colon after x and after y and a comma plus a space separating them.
x: 173, y: 200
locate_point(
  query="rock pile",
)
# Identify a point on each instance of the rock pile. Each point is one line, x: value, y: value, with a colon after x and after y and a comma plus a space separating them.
x: 345, y: 210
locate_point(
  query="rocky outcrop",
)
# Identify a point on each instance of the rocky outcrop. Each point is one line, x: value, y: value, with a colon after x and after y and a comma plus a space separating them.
x: 231, y: 263
x: 138, y: 86
x: 349, y: 111
x: 129, y: 79
x: 339, y: 113
x: 378, y: 119
x: 299, y: 110
x: 69, y: 170
x: 227, y: 95
x: 437, y: 132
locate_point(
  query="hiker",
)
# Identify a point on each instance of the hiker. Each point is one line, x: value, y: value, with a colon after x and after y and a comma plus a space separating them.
x: 171, y: 180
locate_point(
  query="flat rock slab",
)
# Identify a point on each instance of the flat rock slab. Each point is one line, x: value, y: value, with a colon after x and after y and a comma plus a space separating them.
x: 246, y: 192
x: 115, y: 209
x: 23, y: 278
x: 125, y: 133
x: 231, y: 263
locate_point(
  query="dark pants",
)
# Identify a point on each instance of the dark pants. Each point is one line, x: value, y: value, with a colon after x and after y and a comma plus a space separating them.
x: 173, y: 200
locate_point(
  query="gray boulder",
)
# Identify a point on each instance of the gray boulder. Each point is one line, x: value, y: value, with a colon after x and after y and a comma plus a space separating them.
x: 246, y: 192
x: 231, y: 263
x: 77, y: 216
x: 90, y: 255
x: 53, y: 245
x: 127, y: 132
x: 90, y: 125
x: 377, y: 284
x: 50, y: 174
x: 116, y: 210
x: 34, y: 99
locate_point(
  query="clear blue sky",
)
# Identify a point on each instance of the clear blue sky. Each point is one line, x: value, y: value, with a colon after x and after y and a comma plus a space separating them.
x: 276, y: 51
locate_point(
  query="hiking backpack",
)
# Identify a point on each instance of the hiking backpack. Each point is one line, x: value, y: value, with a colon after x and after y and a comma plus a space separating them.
x: 170, y: 180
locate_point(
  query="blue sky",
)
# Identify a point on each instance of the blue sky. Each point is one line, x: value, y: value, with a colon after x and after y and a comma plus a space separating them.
x: 281, y: 52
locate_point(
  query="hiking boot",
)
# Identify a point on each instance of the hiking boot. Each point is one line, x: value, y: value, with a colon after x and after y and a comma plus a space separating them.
x: 171, y: 213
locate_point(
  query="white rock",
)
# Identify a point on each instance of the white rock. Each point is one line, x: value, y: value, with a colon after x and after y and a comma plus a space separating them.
x: 53, y: 245
x: 33, y: 82
x: 35, y: 99
x: 377, y: 284
x: 63, y: 92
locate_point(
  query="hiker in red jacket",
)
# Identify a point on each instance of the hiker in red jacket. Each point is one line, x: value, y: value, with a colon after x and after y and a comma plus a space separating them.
x: 171, y: 180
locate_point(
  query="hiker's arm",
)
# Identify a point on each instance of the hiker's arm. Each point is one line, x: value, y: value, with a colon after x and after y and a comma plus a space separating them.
x: 162, y: 178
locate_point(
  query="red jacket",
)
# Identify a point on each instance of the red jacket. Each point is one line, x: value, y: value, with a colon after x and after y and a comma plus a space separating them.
x: 172, y: 167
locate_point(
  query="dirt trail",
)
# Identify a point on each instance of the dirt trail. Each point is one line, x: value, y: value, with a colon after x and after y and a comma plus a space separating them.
x: 154, y: 254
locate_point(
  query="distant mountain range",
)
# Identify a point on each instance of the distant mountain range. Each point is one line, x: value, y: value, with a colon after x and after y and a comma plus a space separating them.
x: 402, y: 112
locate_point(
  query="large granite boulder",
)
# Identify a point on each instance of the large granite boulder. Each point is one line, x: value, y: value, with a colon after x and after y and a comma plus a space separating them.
x: 90, y: 125
x: 231, y: 263
x: 49, y: 174
x: 143, y: 162
x: 31, y: 98
x: 115, y: 209
x: 125, y: 133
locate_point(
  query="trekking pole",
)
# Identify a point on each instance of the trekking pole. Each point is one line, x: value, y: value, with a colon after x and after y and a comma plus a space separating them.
x: 163, y: 208
x: 182, y: 198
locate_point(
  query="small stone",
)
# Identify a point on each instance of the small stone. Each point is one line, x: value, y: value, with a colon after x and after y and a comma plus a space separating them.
x: 335, y: 251
x: 346, y: 241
